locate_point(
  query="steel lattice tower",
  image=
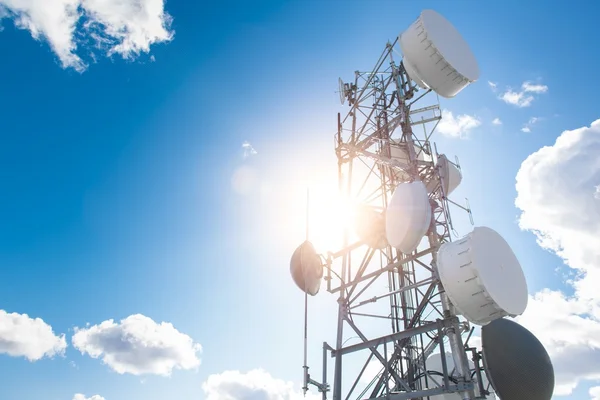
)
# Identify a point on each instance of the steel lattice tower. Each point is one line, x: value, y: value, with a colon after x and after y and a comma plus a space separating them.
x: 388, y: 111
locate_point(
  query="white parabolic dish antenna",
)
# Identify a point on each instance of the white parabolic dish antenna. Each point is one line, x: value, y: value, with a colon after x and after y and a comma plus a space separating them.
x: 399, y: 152
x: 436, y: 56
x: 306, y: 268
x: 434, y: 363
x: 370, y: 227
x: 482, y: 277
x: 408, y: 216
x: 450, y: 176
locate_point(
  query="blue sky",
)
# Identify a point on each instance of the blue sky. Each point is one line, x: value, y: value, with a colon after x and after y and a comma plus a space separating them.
x: 117, y: 194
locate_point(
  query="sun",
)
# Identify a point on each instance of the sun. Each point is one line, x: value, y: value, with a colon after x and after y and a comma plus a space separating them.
x: 330, y: 215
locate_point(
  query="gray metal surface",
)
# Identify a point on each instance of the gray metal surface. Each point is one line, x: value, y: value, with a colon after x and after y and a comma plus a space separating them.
x: 516, y: 363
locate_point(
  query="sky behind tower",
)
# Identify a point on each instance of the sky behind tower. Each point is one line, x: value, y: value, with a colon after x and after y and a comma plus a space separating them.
x: 154, y: 162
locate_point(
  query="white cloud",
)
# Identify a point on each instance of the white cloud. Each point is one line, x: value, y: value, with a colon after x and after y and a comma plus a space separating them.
x: 571, y: 338
x: 127, y: 28
x: 138, y: 345
x: 595, y: 393
x: 457, y: 127
x: 525, y: 96
x: 556, y: 187
x: 80, y: 396
x: 22, y: 336
x: 534, y: 88
x: 248, y: 150
x: 496, y: 121
x: 256, y: 385
x: 532, y: 121
x: 519, y: 99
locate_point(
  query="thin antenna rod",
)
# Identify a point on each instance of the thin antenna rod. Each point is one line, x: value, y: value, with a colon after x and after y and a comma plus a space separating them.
x: 307, y: 210
x: 305, y: 388
x: 306, y: 377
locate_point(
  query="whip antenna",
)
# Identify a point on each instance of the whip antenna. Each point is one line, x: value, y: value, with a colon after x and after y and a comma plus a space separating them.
x: 305, y: 367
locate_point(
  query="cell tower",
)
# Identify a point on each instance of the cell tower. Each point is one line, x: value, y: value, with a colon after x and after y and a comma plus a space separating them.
x: 435, y: 288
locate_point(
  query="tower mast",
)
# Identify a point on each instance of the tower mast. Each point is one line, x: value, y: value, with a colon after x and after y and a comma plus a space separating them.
x: 400, y: 280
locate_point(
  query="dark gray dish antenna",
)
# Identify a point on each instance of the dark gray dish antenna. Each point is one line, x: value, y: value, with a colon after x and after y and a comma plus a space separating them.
x: 516, y: 363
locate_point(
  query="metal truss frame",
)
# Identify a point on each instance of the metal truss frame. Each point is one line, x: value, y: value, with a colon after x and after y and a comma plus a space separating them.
x: 384, y: 112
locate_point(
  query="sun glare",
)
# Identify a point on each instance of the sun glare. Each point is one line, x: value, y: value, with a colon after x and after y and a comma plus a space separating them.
x: 330, y: 214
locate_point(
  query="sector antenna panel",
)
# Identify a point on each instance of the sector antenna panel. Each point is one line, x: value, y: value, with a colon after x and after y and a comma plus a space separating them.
x: 306, y: 268
x: 516, y: 362
x: 342, y: 90
x: 408, y: 216
x: 482, y: 277
x: 436, y: 56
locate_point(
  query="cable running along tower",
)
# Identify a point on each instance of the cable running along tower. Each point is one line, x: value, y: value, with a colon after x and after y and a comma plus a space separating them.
x: 403, y: 268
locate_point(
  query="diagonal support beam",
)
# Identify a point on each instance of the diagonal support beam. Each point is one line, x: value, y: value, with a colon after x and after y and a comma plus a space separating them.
x: 446, y: 323
x: 382, y: 360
